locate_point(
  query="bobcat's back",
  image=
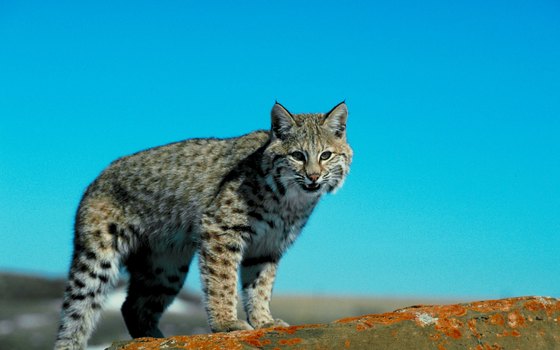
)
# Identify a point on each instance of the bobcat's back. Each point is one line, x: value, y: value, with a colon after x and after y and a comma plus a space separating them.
x: 173, y: 183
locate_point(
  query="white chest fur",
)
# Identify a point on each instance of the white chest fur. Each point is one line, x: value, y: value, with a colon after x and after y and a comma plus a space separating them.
x: 272, y: 236
x: 279, y: 224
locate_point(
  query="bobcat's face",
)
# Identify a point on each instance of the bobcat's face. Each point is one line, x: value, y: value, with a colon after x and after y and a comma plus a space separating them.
x: 309, y: 152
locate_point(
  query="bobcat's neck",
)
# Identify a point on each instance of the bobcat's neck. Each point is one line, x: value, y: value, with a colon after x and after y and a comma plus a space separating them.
x: 287, y: 196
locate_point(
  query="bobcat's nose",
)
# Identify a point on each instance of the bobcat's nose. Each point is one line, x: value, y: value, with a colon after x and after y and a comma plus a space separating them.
x: 313, y: 177
x: 313, y: 186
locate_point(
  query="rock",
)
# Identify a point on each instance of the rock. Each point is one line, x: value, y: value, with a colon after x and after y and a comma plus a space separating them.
x: 516, y: 323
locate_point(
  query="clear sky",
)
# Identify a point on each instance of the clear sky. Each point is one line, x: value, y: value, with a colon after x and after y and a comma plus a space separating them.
x: 454, y: 120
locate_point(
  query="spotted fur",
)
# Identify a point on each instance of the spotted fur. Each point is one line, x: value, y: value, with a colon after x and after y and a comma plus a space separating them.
x: 240, y: 203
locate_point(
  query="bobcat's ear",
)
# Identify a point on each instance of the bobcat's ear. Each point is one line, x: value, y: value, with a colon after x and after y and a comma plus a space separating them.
x: 282, y: 121
x: 335, y: 120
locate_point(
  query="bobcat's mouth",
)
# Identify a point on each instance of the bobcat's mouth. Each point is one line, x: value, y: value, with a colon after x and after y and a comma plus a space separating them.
x: 313, y: 187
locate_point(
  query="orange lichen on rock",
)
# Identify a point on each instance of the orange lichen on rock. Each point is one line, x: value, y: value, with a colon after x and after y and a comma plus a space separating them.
x: 472, y: 327
x: 294, y: 329
x: 523, y: 323
x: 549, y: 305
x: 435, y: 337
x: 207, y: 342
x: 291, y: 341
x: 450, y: 327
x: 254, y: 338
x: 488, y: 347
x: 515, y: 319
x: 368, y: 321
x: 534, y: 305
x: 512, y: 333
x: 494, y: 305
x: 497, y: 319
x: 449, y: 310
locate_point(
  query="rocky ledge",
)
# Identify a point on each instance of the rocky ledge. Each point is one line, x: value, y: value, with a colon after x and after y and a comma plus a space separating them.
x: 515, y: 323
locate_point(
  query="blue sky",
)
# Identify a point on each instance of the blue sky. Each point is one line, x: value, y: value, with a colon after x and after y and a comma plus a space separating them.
x: 454, y: 120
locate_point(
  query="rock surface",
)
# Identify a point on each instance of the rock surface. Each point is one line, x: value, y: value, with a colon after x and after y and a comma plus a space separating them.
x: 516, y: 323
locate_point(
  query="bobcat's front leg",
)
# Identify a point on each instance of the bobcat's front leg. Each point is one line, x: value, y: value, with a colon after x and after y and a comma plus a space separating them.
x: 257, y: 278
x: 221, y: 247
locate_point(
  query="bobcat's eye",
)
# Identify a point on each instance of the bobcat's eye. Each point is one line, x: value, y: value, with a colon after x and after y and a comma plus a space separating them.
x: 299, y: 156
x: 326, y: 155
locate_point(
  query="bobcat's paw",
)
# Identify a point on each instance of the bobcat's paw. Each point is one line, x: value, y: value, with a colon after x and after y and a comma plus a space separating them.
x: 230, y: 326
x: 276, y: 323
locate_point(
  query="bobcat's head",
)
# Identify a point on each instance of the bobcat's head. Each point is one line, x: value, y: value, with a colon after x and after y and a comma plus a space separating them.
x: 309, y: 152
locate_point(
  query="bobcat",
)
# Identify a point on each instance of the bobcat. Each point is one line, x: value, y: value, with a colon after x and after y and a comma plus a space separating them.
x: 239, y: 202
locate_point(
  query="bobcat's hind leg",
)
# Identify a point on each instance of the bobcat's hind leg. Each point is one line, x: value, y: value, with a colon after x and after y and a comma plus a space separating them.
x: 92, y: 275
x: 155, y: 280
x: 94, y: 270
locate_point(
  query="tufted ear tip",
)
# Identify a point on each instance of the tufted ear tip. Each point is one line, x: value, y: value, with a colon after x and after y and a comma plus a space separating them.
x: 282, y: 120
x: 336, y: 118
